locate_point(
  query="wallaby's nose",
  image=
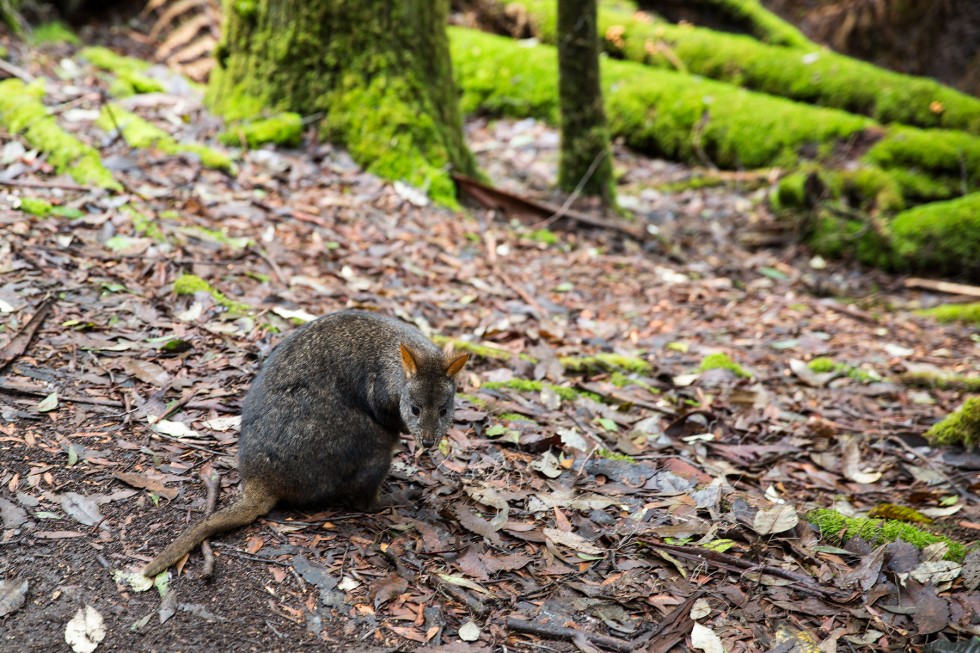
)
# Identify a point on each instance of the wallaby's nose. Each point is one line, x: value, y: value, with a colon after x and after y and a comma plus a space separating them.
x: 427, y: 440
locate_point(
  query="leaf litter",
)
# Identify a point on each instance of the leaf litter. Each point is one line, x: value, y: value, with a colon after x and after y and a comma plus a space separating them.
x: 588, y: 508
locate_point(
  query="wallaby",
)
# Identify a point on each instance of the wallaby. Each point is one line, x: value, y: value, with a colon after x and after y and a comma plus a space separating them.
x: 321, y: 421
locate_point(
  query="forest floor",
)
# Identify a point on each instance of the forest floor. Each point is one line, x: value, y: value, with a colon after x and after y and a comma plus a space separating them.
x: 645, y: 505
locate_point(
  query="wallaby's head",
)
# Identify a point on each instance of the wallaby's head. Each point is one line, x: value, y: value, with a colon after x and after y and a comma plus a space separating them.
x: 427, y: 396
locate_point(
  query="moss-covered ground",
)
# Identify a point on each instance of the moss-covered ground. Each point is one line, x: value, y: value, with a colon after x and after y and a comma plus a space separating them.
x: 140, y: 133
x: 22, y: 112
x: 839, y: 529
x: 961, y: 427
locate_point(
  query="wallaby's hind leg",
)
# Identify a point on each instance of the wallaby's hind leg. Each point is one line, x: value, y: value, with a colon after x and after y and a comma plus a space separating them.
x: 365, y: 488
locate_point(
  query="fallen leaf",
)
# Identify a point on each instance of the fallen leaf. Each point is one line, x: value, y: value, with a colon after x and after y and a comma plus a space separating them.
x: 48, y: 404
x: 851, y: 464
x: 85, y: 630
x: 572, y: 541
x: 82, y: 508
x: 775, y: 520
x: 146, y: 483
x: 174, y: 429
x: 13, y: 594
x: 11, y: 514
x: 469, y: 632
x: 705, y: 639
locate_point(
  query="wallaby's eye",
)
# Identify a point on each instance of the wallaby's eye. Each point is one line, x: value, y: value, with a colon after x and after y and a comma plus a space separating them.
x: 442, y: 412
x: 415, y: 410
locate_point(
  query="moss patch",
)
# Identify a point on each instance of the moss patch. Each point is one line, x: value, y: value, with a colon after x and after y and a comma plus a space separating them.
x: 22, y: 112
x: 282, y: 129
x: 53, y: 32
x: 824, y: 365
x: 127, y: 71
x: 657, y: 112
x: 942, y: 236
x: 604, y: 362
x: 142, y: 134
x: 188, y: 284
x: 477, y: 349
x: 941, y: 381
x: 527, y: 385
x: 969, y: 313
x: 722, y: 361
x: 839, y: 529
x: 959, y: 428
x: 35, y: 206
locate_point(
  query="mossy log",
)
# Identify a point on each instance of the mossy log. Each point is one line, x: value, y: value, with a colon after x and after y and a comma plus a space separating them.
x: 806, y: 73
x: 748, y: 16
x: 658, y: 112
x: 378, y: 72
x: 22, y: 112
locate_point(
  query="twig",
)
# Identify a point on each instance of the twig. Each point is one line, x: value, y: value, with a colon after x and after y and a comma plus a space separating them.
x: 37, y: 392
x: 262, y: 254
x: 43, y: 184
x: 943, y: 286
x: 567, y: 204
x: 475, y: 605
x: 560, y: 632
x: 491, y: 242
x: 211, y: 481
x: 18, y: 344
x: 16, y: 71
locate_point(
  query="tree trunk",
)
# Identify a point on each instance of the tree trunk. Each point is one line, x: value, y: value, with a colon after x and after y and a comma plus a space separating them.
x: 378, y: 72
x: 585, y: 161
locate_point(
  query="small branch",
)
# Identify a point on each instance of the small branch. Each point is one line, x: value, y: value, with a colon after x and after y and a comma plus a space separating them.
x: 43, y: 184
x: 943, y: 286
x: 16, y: 71
x: 569, y: 634
x: 18, y: 344
x: 38, y: 392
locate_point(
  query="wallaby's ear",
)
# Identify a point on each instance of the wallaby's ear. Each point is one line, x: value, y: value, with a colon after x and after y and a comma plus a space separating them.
x: 456, y: 364
x: 408, y: 361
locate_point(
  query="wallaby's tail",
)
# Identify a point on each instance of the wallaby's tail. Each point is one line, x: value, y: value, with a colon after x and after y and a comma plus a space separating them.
x: 255, y: 501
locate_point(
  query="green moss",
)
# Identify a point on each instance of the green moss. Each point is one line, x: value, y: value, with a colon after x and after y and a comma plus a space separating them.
x: 834, y: 236
x: 790, y: 192
x: 473, y: 399
x: 143, y: 225
x: 35, y: 206
x: 142, y: 134
x: 657, y: 112
x: 941, y: 381
x: 53, y: 32
x: 22, y: 112
x: 813, y: 75
x: 940, y: 236
x: 604, y: 362
x: 282, y: 129
x: 722, y: 361
x: 612, y: 455
x: 218, y: 237
x: 545, y: 236
x: 839, y: 529
x: 968, y: 313
x: 477, y: 349
x: 188, y: 284
x: 527, y: 385
x: 514, y: 417
x: 958, y: 428
x: 127, y: 70
x: 940, y: 153
x: 824, y: 365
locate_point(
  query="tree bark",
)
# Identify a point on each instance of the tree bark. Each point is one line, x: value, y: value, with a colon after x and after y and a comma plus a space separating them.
x: 586, y: 162
x: 378, y: 72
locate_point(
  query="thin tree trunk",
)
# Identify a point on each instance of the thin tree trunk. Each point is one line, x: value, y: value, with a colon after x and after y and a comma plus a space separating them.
x: 585, y: 162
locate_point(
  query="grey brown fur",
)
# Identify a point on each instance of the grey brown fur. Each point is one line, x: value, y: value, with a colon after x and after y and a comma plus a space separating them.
x: 321, y: 420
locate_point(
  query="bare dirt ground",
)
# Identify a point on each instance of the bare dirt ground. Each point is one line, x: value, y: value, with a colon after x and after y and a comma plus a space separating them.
x: 645, y: 507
